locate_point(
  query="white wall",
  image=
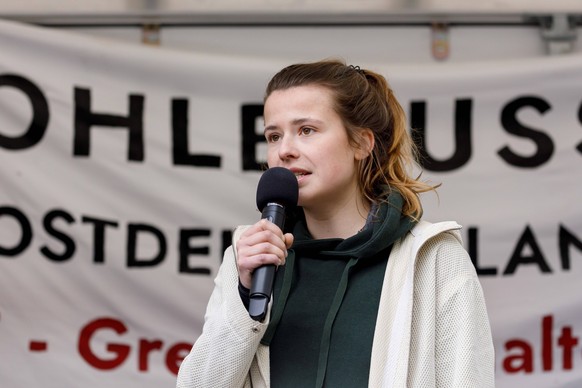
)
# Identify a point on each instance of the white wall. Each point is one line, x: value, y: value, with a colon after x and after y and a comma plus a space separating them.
x: 357, y: 44
x: 363, y: 31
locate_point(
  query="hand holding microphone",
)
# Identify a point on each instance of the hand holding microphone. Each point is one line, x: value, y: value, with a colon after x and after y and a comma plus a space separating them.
x: 263, y: 245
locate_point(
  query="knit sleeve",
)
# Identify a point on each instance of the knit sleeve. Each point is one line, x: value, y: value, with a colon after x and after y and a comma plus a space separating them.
x: 222, y: 356
x: 441, y: 336
x: 464, y: 355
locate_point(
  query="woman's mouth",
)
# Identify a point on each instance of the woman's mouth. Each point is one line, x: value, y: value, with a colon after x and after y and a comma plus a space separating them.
x: 300, y: 175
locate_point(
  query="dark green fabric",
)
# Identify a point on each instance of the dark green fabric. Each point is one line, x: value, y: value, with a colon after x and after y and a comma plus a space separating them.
x: 326, y: 301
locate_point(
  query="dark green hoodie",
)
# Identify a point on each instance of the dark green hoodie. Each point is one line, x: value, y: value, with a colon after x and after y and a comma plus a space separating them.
x: 326, y: 300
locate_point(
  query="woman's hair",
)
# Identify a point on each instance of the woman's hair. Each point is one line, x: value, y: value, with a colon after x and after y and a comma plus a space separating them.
x: 364, y: 100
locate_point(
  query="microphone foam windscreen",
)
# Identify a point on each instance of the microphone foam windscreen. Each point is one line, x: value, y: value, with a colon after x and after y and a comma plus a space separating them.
x: 279, y: 185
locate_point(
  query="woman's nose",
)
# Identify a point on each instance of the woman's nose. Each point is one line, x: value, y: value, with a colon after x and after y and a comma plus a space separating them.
x: 288, y: 148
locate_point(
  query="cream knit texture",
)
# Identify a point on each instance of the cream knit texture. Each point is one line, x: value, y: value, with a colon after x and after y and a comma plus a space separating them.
x: 432, y: 328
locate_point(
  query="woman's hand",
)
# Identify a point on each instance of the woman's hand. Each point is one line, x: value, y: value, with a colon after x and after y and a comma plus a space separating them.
x: 261, y: 244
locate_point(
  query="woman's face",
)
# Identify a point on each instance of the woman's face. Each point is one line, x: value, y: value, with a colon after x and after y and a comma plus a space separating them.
x: 307, y: 136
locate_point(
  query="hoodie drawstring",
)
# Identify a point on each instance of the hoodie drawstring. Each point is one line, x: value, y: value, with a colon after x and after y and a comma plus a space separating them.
x: 327, y: 327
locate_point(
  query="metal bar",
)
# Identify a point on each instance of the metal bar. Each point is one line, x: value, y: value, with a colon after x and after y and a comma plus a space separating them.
x: 283, y: 19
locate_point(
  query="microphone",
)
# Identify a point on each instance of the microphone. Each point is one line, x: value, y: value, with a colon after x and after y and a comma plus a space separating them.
x: 277, y: 189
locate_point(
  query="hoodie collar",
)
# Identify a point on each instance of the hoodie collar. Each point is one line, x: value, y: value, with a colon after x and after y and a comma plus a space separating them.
x: 385, y: 224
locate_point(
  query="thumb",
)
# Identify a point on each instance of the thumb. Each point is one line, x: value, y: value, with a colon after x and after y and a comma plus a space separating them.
x: 288, y: 240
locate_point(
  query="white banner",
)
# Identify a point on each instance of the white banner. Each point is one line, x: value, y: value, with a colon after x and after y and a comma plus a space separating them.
x: 123, y: 170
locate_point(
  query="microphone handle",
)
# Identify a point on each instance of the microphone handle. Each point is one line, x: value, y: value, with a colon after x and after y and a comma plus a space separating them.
x: 263, y: 277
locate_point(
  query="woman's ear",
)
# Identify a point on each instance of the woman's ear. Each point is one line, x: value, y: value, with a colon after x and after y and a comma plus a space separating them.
x: 365, y: 143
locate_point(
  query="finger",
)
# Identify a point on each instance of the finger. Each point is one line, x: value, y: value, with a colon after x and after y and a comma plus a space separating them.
x: 259, y: 236
x: 288, y: 238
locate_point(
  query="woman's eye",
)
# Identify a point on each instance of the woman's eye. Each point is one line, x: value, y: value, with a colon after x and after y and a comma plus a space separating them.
x: 306, y: 130
x: 273, y: 138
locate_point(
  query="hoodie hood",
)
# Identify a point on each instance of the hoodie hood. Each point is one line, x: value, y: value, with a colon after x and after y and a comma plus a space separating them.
x: 385, y: 224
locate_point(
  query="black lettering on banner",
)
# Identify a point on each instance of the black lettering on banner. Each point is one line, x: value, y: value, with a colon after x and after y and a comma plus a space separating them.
x: 226, y: 240
x: 85, y: 119
x: 25, y: 226
x: 132, y: 233
x: 186, y: 250
x: 517, y: 257
x: 472, y: 250
x: 180, y: 153
x: 579, y: 146
x: 463, y: 147
x: 250, y: 138
x: 509, y: 121
x: 99, y: 236
x: 567, y: 240
x: 40, y: 113
x: 65, y: 239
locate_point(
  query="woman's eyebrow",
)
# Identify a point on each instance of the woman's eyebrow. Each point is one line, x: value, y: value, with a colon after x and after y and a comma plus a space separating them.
x: 298, y: 121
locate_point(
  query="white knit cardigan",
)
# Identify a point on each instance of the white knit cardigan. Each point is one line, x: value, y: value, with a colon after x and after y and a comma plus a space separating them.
x: 432, y: 328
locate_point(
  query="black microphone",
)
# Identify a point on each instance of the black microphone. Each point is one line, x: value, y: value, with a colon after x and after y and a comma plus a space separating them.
x: 276, y: 191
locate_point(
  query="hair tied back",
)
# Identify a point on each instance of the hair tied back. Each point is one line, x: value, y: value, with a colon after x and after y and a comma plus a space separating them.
x: 356, y: 68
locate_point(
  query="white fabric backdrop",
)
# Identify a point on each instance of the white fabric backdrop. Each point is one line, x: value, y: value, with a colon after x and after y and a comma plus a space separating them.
x: 108, y: 252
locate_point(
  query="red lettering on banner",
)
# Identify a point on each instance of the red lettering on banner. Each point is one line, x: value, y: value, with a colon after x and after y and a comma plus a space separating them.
x: 525, y: 359
x: 568, y: 343
x: 173, y: 358
x: 121, y: 351
x: 38, y: 346
x: 146, y: 347
x: 522, y: 357
x: 547, y: 324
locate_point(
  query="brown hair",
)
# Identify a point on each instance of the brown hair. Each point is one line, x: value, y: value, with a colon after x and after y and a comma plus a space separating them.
x: 364, y: 100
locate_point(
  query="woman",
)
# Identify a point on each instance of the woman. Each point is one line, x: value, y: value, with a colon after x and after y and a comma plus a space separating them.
x: 366, y: 294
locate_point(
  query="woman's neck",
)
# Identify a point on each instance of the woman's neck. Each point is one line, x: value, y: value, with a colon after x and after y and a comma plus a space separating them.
x: 338, y: 222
